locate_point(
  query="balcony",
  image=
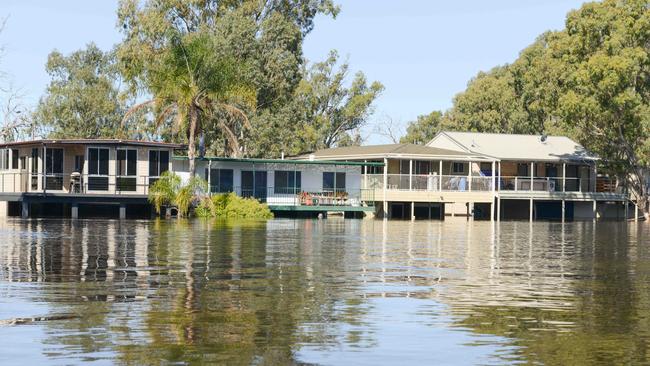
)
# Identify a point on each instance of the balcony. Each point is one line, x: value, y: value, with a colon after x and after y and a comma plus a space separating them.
x: 428, y: 182
x: 74, y: 184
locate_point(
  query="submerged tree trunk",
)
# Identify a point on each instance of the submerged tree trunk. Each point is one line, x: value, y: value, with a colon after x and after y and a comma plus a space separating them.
x: 191, y: 146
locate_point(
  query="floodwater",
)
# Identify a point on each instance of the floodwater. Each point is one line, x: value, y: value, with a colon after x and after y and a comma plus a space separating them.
x: 326, y: 292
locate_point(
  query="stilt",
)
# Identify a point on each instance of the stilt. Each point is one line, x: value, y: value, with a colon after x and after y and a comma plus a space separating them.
x: 25, y: 210
x: 385, y: 209
x: 563, y: 210
x: 498, y: 208
x: 74, y: 212
x: 412, y: 211
x: 627, y: 209
x: 531, y: 210
x: 636, y: 212
x: 122, y: 212
x: 595, y: 212
x: 4, y: 208
x: 492, y: 211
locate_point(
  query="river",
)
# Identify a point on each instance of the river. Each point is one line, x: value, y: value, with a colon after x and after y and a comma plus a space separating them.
x: 324, y: 292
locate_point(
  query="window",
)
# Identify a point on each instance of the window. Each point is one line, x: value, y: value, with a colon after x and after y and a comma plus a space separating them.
x: 253, y: 184
x: 97, y: 161
x: 287, y: 181
x: 458, y: 168
x: 333, y: 182
x: 221, y: 180
x: 486, y: 169
x: 126, y: 170
x: 14, y: 158
x: 23, y: 163
x: 4, y: 159
x: 79, y: 163
x: 158, y: 162
x: 127, y: 162
x: 375, y: 170
x: 98, y: 169
x: 522, y: 169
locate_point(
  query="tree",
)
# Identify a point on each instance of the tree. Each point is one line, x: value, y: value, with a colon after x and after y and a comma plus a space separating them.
x: 423, y: 129
x: 208, y: 63
x: 82, y: 99
x: 332, y: 110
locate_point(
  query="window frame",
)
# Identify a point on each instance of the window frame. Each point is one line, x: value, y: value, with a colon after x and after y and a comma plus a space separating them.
x: 89, y: 165
x: 455, y: 164
x: 158, y: 171
x: 336, y: 178
x: 292, y: 182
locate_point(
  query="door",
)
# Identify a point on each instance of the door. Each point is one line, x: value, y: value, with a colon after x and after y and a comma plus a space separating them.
x: 54, y: 169
x: 98, y: 169
x: 551, y: 172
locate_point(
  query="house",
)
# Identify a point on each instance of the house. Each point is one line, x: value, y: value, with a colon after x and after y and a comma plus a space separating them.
x: 288, y: 186
x: 540, y: 176
x: 419, y: 181
x: 69, y: 176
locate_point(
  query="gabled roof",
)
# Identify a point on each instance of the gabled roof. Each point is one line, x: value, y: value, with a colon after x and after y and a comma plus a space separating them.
x: 92, y: 142
x: 390, y: 151
x: 514, y: 147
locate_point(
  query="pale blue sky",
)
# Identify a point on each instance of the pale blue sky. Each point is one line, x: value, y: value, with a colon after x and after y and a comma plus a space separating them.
x: 424, y: 52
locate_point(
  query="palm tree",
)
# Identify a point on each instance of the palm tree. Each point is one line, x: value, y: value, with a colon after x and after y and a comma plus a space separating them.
x: 196, y: 88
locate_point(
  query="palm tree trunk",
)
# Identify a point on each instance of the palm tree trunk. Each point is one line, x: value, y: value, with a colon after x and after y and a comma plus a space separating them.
x: 191, y: 148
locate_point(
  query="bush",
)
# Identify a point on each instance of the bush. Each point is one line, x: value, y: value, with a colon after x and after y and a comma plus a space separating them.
x: 231, y: 206
x: 168, y: 190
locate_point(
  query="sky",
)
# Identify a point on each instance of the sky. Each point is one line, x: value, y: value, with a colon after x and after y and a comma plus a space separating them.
x: 423, y: 51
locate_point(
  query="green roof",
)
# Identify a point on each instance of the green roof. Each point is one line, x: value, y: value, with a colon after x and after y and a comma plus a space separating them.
x: 282, y: 161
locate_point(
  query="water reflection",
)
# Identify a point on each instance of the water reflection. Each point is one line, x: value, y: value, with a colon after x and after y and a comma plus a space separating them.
x: 324, y: 292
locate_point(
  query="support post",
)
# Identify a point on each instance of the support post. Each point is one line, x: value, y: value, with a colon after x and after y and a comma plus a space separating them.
x: 532, y: 176
x: 74, y: 212
x: 122, y: 211
x: 492, y: 211
x: 208, y: 177
x: 563, y: 177
x: 627, y: 209
x: 531, y: 210
x: 24, y: 210
x: 636, y: 212
x: 469, y: 176
x: 595, y: 212
x: 385, y: 187
x: 493, y: 178
x: 498, y: 208
x: 410, y: 174
x: 440, y: 176
x: 412, y: 211
x: 563, y: 210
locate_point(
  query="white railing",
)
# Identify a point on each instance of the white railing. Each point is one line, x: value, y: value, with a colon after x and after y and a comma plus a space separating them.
x: 428, y: 182
x: 25, y: 182
x: 558, y: 184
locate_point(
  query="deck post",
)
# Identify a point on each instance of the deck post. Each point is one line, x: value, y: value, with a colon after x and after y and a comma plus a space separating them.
x: 24, y: 210
x: 532, y: 177
x: 636, y: 212
x: 563, y: 177
x: 440, y: 176
x: 122, y: 211
x: 563, y: 210
x: 469, y: 176
x: 595, y: 213
x: 44, y: 160
x: 410, y: 174
x: 74, y: 211
x: 208, y: 177
x: 493, y: 177
x: 492, y: 211
x: 498, y: 208
x: 385, y: 187
x: 531, y: 210
x: 412, y: 211
x: 627, y: 209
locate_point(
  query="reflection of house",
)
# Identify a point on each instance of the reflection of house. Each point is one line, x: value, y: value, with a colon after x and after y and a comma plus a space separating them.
x: 287, y: 185
x: 62, y: 177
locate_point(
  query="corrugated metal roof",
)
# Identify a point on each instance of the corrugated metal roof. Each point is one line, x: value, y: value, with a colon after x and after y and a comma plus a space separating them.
x: 518, y: 147
x: 387, y: 150
x: 93, y: 142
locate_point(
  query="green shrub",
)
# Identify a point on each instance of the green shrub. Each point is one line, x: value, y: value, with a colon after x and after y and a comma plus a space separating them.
x: 168, y: 190
x: 231, y: 206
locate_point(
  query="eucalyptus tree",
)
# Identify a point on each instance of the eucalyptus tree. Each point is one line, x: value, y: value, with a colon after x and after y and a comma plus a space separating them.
x: 208, y: 65
x: 83, y: 97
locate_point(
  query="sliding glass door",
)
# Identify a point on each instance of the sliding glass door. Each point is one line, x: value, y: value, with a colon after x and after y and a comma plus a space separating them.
x: 253, y: 184
x: 54, y: 169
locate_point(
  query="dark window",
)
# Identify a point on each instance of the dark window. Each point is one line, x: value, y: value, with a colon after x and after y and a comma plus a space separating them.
x: 23, y: 162
x: 458, y: 168
x: 34, y: 160
x: 97, y: 161
x: 287, y: 181
x: 221, y: 180
x: 253, y: 184
x: 522, y: 169
x: 158, y: 162
x: 14, y: 159
x: 54, y: 161
x: 333, y: 182
x: 126, y: 162
x: 375, y: 170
